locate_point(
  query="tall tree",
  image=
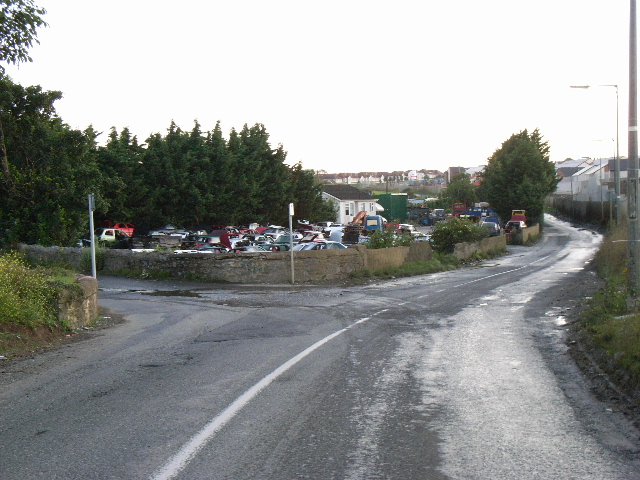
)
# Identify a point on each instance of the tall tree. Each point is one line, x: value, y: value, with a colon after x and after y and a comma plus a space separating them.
x: 306, y: 194
x: 268, y: 176
x: 51, y: 170
x: 197, y: 179
x: 119, y: 162
x: 221, y: 191
x: 460, y: 190
x: 19, y: 21
x: 519, y: 175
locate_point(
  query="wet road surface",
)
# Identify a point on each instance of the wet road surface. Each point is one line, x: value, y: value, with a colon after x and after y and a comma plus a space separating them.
x: 461, y: 374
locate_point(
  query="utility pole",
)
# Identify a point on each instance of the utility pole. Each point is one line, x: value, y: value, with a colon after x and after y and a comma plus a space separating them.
x: 616, y: 161
x: 291, y: 213
x: 92, y: 206
x: 634, y: 243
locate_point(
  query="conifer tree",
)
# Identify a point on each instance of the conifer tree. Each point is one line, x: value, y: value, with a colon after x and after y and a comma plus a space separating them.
x: 519, y: 175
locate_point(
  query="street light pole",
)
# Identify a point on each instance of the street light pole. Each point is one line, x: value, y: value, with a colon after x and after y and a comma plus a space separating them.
x: 616, y: 162
x: 634, y: 243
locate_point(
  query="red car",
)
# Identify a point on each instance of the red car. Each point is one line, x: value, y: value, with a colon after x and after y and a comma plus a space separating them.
x: 514, y: 225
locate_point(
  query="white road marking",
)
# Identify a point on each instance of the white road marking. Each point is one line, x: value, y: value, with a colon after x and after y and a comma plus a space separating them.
x: 190, y: 449
x: 488, y: 276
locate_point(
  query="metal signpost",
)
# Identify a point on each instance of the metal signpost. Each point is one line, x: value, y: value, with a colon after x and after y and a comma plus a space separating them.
x: 293, y: 276
x: 634, y: 244
x: 92, y: 207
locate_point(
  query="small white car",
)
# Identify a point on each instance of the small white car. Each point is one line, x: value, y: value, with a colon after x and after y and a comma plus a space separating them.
x: 319, y: 245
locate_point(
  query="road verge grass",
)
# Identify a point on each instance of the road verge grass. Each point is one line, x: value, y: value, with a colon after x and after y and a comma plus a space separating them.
x: 29, y: 304
x: 439, y: 262
x: 610, y: 324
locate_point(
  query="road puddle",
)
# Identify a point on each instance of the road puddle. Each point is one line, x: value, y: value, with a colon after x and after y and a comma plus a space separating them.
x: 172, y: 293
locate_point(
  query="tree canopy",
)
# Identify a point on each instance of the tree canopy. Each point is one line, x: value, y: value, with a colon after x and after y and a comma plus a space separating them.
x: 49, y: 171
x: 19, y: 21
x: 519, y: 175
x: 189, y: 178
x: 460, y: 190
x: 193, y: 179
x: 198, y: 179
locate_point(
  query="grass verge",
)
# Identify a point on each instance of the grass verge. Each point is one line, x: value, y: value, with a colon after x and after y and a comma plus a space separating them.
x: 608, y: 321
x: 439, y: 262
x: 29, y: 304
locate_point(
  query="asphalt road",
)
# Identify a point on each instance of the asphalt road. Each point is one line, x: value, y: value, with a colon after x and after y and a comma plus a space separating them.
x: 457, y: 375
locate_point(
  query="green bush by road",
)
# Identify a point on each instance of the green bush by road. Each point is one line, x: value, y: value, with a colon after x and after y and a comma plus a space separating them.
x: 445, y: 235
x: 29, y: 305
x: 611, y: 324
x: 26, y: 295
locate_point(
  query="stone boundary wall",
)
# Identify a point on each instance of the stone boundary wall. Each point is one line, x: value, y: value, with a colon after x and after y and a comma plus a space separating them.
x: 463, y: 251
x: 71, y: 256
x: 314, y: 266
x: 381, y: 258
x: 419, y: 252
x: 268, y: 267
x: 78, y: 304
x: 529, y: 232
x: 524, y: 234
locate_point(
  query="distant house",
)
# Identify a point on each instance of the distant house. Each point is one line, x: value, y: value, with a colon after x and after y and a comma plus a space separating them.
x: 348, y: 201
x: 360, y: 178
x: 452, y: 172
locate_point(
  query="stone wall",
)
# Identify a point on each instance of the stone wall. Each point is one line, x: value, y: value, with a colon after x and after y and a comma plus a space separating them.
x: 314, y: 266
x: 78, y: 304
x: 419, y: 252
x: 269, y: 267
x: 71, y: 256
x: 463, y: 251
x: 381, y: 258
x: 529, y: 232
x: 523, y: 235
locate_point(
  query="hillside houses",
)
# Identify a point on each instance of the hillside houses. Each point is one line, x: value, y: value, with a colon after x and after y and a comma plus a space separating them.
x: 586, y: 180
x: 427, y: 177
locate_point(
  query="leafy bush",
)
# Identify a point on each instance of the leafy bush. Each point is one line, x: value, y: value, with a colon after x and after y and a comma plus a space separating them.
x: 26, y: 295
x: 608, y: 319
x: 445, y: 235
x: 611, y: 258
x: 389, y: 238
x: 86, y: 259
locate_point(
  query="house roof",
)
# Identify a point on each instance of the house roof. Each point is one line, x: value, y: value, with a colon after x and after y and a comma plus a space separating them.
x: 567, y: 171
x: 346, y: 192
x: 590, y: 170
x: 624, y: 164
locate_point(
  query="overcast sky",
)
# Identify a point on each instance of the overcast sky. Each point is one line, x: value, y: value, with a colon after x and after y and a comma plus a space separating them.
x: 349, y: 85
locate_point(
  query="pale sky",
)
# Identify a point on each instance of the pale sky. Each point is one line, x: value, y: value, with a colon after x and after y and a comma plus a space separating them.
x: 349, y: 85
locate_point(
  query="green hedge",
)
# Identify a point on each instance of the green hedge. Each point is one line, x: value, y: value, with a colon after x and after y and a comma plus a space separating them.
x: 27, y: 297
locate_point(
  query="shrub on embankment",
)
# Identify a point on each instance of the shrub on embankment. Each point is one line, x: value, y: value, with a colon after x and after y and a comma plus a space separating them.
x: 30, y: 303
x: 613, y: 326
x: 26, y: 295
x: 446, y: 235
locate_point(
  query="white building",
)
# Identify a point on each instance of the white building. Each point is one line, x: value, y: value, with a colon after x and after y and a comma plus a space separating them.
x: 348, y: 201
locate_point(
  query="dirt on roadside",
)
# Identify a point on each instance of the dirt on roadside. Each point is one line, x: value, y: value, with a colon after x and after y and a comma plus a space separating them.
x: 18, y: 342
x: 607, y: 381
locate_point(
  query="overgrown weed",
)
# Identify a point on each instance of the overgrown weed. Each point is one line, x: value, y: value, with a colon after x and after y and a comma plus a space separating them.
x: 27, y: 296
x: 439, y: 262
x: 608, y: 320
